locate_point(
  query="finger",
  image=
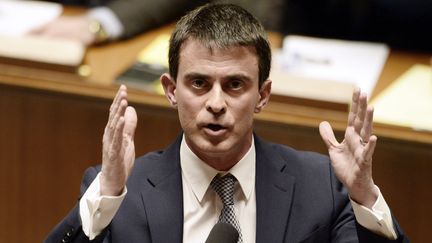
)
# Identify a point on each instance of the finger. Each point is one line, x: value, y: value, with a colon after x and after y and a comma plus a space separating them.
x: 367, y: 129
x: 130, y: 122
x: 327, y: 134
x: 110, y: 128
x: 119, y: 114
x: 369, y: 149
x: 361, y: 112
x: 121, y: 93
x: 130, y: 158
x: 354, y: 107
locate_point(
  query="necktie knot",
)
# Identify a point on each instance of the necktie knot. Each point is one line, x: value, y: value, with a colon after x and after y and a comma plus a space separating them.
x: 224, y: 187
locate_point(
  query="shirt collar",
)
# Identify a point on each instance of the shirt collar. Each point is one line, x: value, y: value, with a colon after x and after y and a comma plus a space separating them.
x: 199, y: 174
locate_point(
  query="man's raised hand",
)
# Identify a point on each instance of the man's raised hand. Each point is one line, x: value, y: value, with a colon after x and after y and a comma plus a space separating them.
x: 118, y: 152
x: 352, y: 158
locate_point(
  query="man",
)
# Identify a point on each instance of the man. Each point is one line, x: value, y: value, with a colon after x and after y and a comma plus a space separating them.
x: 219, y: 62
x: 116, y: 19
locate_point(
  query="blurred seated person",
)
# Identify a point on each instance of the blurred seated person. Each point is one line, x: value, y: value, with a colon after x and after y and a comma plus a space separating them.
x: 108, y: 20
x: 399, y: 23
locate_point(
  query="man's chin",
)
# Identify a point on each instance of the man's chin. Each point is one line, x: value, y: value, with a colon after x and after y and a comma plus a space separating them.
x: 214, y: 147
x: 211, y: 146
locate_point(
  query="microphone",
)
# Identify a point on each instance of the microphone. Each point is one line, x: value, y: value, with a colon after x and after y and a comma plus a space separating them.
x: 223, y: 233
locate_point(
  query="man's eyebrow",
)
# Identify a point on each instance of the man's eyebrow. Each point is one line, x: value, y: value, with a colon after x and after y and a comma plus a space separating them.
x: 238, y: 77
x: 194, y: 75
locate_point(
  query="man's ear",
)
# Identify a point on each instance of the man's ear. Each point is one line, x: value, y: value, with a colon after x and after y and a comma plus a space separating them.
x: 169, y: 86
x: 264, y: 95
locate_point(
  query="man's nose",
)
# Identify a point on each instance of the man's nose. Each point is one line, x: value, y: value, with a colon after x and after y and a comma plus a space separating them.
x: 216, y: 100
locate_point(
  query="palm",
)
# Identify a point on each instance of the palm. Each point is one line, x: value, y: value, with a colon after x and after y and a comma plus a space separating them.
x: 118, y: 153
x: 348, y: 161
x: 128, y: 140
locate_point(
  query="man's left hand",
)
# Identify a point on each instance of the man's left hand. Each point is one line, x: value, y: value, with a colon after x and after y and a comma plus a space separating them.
x: 352, y: 158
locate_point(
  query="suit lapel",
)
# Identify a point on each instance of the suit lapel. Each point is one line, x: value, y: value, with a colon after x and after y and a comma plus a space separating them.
x: 274, y: 192
x: 163, y: 195
x: 163, y: 198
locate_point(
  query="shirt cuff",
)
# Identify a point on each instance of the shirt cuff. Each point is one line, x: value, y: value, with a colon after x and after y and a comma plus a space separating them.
x: 377, y: 220
x: 97, y: 211
x: 109, y: 21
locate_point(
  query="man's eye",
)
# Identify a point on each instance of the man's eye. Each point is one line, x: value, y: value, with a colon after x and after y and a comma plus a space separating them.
x: 198, y: 83
x: 235, y: 84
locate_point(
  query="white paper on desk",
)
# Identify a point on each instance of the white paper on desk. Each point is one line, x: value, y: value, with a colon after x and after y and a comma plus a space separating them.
x: 19, y: 17
x: 359, y: 63
x: 408, y: 100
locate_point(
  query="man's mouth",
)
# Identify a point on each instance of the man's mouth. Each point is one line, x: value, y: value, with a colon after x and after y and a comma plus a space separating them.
x: 215, y: 127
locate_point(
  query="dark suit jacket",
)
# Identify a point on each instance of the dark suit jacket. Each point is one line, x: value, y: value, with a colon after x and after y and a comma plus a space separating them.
x: 298, y: 200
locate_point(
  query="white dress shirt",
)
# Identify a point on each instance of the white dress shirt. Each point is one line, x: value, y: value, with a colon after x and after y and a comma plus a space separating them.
x: 202, y: 205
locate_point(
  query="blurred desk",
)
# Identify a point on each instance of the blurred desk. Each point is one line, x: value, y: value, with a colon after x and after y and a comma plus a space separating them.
x: 52, y: 123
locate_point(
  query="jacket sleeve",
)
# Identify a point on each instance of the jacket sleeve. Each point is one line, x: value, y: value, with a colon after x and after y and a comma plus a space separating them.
x: 70, y: 228
x: 345, y: 220
x: 364, y: 235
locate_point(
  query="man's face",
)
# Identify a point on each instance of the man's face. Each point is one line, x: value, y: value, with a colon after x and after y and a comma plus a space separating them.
x: 216, y: 94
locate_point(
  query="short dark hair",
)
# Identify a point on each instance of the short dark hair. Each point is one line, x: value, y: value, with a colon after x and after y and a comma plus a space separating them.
x: 221, y: 26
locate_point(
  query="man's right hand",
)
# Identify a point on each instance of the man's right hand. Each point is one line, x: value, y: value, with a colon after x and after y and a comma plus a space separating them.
x: 118, y: 153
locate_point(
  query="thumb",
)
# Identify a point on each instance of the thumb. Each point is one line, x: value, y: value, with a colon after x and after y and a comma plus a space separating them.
x: 130, y: 121
x: 327, y: 134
